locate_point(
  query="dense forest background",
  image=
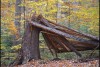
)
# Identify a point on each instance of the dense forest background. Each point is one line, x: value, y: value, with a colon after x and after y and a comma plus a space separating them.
x: 80, y: 15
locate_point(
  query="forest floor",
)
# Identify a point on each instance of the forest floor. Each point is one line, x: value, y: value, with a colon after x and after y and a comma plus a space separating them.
x: 62, y: 63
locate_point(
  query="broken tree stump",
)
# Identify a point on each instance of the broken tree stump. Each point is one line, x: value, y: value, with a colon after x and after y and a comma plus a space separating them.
x: 56, y: 37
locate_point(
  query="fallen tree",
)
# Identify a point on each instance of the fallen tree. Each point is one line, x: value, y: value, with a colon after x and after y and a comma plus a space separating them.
x: 61, y: 33
x: 66, y: 29
x: 66, y: 40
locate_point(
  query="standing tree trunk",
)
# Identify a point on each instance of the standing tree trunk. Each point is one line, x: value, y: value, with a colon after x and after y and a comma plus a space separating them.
x: 30, y: 45
x: 17, y: 20
x: 58, y: 12
x: 17, y: 14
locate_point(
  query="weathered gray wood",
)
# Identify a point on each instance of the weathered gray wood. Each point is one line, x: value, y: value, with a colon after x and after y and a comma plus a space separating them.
x: 57, y: 26
x: 61, y: 33
x: 65, y: 44
x: 59, y: 41
x: 76, y: 32
x: 76, y: 43
x: 44, y: 21
x: 65, y: 29
x: 30, y: 45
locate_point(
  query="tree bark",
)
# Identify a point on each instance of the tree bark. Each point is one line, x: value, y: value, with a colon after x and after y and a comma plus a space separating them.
x: 58, y: 11
x: 66, y: 29
x: 30, y: 43
x: 30, y: 46
x: 62, y: 33
x: 75, y: 32
x: 17, y: 20
x: 17, y: 14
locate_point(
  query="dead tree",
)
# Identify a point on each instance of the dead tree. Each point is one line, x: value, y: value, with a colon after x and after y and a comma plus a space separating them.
x: 30, y: 45
x: 66, y: 40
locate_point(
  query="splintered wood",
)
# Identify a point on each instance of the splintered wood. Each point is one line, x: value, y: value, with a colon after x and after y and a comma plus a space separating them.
x: 63, y: 39
x: 58, y: 38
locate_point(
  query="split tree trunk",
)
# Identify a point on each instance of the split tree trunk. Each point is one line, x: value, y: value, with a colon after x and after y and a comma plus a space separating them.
x: 30, y: 45
x: 62, y: 33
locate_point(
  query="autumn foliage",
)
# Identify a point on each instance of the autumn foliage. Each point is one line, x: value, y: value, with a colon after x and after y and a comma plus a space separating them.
x: 80, y: 15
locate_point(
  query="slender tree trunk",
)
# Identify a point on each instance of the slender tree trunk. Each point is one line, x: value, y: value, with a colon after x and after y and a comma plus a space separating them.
x: 17, y: 14
x: 17, y: 20
x: 58, y: 11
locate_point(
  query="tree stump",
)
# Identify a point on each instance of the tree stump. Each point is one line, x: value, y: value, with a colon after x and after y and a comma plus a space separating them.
x: 30, y: 46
